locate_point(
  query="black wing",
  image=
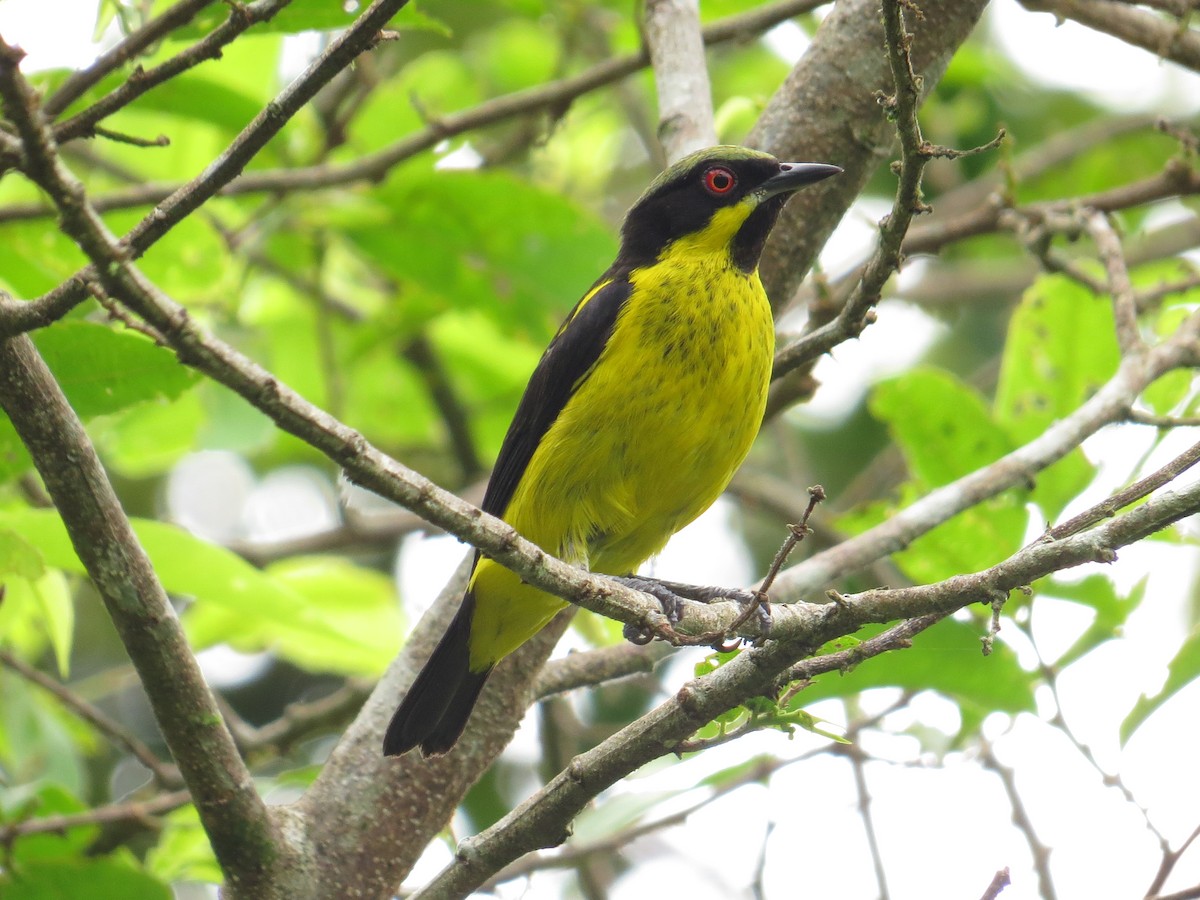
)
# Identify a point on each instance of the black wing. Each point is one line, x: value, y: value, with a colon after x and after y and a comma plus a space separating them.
x: 565, y: 363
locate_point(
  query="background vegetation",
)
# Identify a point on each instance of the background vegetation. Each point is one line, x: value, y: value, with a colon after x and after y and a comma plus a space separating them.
x: 261, y: 250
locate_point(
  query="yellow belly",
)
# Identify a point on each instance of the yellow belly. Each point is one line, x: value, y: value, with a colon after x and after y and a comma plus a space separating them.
x: 648, y: 441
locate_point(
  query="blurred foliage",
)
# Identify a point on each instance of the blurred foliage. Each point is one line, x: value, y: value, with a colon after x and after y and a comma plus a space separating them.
x: 478, y: 248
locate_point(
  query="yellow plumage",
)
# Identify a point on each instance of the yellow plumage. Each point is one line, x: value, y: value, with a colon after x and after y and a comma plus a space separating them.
x: 653, y: 436
x: 640, y: 412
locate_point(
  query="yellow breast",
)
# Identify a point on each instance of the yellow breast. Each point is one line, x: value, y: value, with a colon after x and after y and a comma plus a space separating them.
x: 654, y: 434
x: 646, y: 443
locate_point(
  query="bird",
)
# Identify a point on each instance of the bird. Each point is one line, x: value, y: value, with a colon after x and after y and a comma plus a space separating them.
x: 641, y: 408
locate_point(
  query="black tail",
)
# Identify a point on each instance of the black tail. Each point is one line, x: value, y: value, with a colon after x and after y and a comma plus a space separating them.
x: 435, y: 710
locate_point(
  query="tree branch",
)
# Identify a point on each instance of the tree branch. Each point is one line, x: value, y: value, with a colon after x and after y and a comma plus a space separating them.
x: 140, y: 810
x: 373, y: 167
x: 1020, y: 816
x: 1124, y: 301
x: 542, y: 820
x: 1136, y: 491
x: 1175, y: 42
x: 1109, y: 404
x: 164, y: 773
x: 128, y: 49
x: 18, y: 317
x: 916, y: 152
x: 826, y: 110
x: 230, y: 808
x: 241, y: 17
x: 243, y: 837
x: 676, y: 48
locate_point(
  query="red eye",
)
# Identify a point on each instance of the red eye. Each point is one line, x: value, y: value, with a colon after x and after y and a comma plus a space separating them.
x: 719, y: 180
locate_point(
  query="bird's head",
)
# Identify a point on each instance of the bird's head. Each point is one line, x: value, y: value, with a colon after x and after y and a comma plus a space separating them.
x: 722, y: 199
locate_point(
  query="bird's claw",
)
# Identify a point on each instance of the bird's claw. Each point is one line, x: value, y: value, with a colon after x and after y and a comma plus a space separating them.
x: 671, y: 603
x: 671, y: 596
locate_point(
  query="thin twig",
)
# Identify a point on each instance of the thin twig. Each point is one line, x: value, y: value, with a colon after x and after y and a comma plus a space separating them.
x: 1124, y: 300
x: 118, y: 137
x: 853, y: 751
x: 164, y: 773
x: 1169, y: 861
x: 241, y: 17
x: 1191, y: 893
x: 856, y: 314
x: 1000, y: 881
x: 1108, y: 507
x: 129, y: 48
x: 1020, y: 817
x: 140, y: 810
x: 1144, y: 418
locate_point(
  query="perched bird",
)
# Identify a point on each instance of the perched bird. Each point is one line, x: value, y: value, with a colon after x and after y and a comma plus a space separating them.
x: 633, y: 423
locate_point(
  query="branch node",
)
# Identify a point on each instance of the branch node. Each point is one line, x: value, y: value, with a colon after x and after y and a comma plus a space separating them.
x: 839, y: 599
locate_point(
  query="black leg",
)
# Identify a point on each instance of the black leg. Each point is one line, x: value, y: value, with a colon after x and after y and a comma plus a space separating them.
x: 671, y: 594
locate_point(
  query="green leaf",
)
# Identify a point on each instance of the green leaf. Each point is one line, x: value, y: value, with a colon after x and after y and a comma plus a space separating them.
x: 521, y: 254
x: 973, y: 540
x: 253, y: 609
x: 39, y: 745
x: 183, y: 852
x: 62, y: 879
x: 946, y: 658
x: 103, y: 371
x: 1168, y: 391
x: 489, y: 369
x: 58, y: 616
x: 738, y: 773
x: 18, y: 557
x: 1182, y: 671
x: 1112, y: 610
x: 36, y: 605
x: 942, y: 426
x: 1061, y: 347
x: 201, y: 99
x: 149, y: 438
x: 48, y: 800
x: 357, y: 608
x: 34, y: 258
x: 515, y: 54
x: 617, y: 814
x: 433, y: 84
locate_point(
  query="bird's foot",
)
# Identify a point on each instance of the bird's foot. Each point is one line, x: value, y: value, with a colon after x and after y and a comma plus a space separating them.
x: 671, y: 594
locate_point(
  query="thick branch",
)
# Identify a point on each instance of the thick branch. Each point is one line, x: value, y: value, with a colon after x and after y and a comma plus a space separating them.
x: 241, y: 832
x: 676, y: 47
x: 542, y: 820
x: 1170, y: 40
x: 230, y: 808
x: 826, y: 111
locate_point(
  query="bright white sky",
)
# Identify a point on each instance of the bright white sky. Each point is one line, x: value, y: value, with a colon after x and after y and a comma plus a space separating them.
x: 943, y: 832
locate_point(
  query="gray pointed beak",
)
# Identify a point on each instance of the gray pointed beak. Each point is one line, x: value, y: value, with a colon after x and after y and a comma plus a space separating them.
x: 793, y: 176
